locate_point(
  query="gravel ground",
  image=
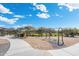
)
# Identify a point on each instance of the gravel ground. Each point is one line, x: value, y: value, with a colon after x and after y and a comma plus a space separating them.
x: 50, y: 44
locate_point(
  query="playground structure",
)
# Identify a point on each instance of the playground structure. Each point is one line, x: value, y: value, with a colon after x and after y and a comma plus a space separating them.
x: 23, y: 34
x: 51, y: 38
x: 60, y: 41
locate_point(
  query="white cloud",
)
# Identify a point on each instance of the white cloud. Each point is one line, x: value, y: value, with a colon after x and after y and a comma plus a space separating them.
x: 18, y: 16
x: 58, y: 15
x: 4, y: 10
x: 70, y: 6
x: 2, y: 25
x: 24, y: 25
x: 30, y: 15
x: 21, y: 26
x: 60, y: 7
x: 43, y: 15
x: 8, y: 21
x: 17, y: 26
x: 41, y: 7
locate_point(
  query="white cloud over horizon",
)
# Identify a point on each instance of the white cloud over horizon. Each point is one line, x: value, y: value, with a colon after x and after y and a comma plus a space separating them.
x: 4, y: 10
x: 21, y: 26
x: 18, y: 16
x: 70, y: 6
x: 7, y: 20
x: 43, y: 15
x: 2, y: 25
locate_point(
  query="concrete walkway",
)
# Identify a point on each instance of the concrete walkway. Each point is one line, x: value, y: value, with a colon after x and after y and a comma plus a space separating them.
x: 19, y: 47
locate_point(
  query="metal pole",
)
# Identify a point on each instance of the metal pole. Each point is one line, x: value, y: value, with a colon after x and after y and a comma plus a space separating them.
x: 62, y: 42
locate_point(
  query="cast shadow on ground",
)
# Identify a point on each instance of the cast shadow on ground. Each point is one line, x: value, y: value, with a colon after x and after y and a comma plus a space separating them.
x: 4, y: 48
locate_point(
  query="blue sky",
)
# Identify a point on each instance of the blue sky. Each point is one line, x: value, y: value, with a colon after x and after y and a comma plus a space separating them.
x: 53, y: 15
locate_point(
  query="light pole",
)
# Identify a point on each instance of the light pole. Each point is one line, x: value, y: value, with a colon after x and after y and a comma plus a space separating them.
x: 60, y: 39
